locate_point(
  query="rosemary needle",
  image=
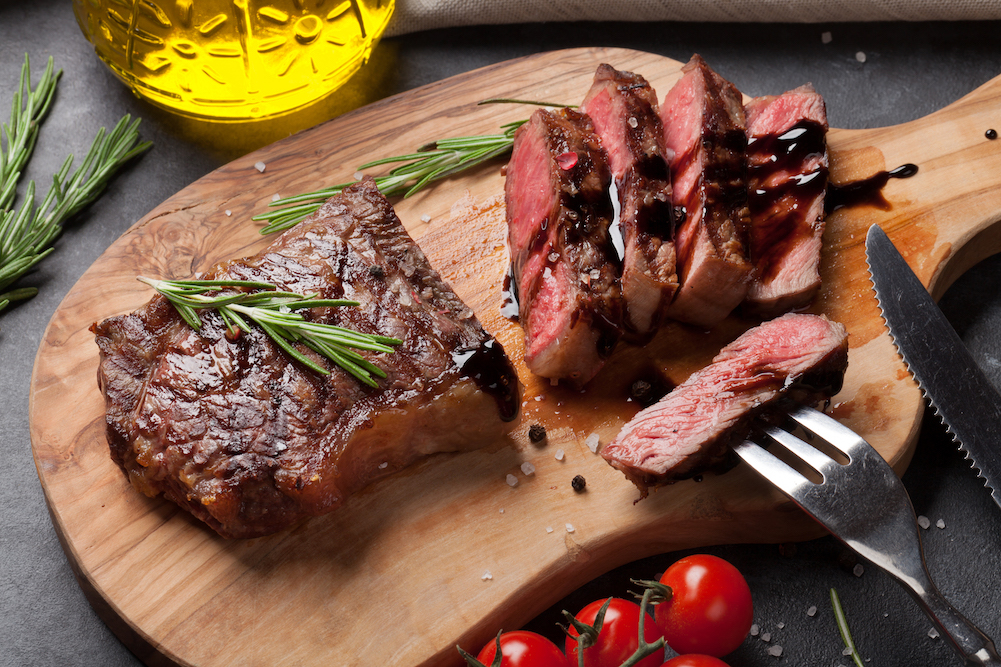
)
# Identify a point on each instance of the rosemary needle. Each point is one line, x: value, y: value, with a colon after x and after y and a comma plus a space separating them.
x: 274, y: 312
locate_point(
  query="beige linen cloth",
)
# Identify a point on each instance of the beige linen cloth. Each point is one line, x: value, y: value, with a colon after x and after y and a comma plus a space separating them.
x: 416, y: 15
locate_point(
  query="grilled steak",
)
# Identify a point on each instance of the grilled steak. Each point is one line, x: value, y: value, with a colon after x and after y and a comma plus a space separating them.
x: 787, y: 180
x: 250, y: 441
x: 624, y: 110
x: 563, y: 264
x: 799, y: 356
x: 703, y: 120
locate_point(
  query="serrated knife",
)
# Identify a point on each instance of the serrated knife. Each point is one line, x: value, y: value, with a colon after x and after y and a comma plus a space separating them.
x: 950, y: 379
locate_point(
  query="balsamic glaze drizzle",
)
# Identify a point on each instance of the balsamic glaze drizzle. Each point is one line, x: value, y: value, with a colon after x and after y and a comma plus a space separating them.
x: 866, y: 191
x: 489, y: 368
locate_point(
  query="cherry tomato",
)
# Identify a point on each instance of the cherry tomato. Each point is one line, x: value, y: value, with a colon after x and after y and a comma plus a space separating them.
x: 710, y: 611
x: 618, y: 638
x: 522, y: 648
x: 694, y: 660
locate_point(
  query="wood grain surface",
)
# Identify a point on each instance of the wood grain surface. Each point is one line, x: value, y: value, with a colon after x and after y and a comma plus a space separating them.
x: 399, y: 575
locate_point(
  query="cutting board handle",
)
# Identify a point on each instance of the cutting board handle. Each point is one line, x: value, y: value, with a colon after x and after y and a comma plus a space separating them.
x: 943, y: 219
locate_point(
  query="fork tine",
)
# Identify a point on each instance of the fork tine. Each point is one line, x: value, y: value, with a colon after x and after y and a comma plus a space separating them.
x: 778, y: 472
x: 834, y: 432
x: 813, y: 457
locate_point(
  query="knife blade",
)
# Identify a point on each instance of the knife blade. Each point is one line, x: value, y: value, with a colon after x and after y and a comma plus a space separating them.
x: 952, y: 382
x: 958, y: 391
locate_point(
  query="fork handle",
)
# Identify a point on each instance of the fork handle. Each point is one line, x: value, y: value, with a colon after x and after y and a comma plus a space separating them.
x: 975, y: 647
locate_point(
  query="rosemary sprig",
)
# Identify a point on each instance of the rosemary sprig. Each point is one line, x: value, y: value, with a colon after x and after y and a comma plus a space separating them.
x: 431, y: 162
x: 27, y: 111
x: 846, y: 635
x: 274, y: 312
x: 26, y: 235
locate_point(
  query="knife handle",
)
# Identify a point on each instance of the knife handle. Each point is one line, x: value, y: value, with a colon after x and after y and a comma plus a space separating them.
x: 975, y: 647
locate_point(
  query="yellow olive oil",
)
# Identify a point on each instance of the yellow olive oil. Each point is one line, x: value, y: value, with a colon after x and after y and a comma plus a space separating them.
x: 233, y: 59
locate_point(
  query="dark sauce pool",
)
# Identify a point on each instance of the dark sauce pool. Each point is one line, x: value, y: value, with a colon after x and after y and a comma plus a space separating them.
x: 866, y: 191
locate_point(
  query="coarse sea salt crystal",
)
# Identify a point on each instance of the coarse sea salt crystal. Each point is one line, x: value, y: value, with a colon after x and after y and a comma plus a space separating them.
x: 528, y: 468
x: 858, y: 570
x: 383, y: 465
x: 260, y: 166
x: 780, y: 625
x: 940, y: 523
x: 512, y: 481
x: 549, y: 529
x: 425, y: 218
x: 358, y: 175
x: 826, y: 37
x: 501, y: 510
x: 766, y: 636
x: 933, y: 633
x: 487, y: 576
x: 570, y: 528
x: 860, y: 56
x: 775, y: 650
x: 228, y: 213
x: 275, y: 197
x: 755, y: 629
x: 812, y: 611
x: 560, y: 454
x: 592, y: 442
x: 924, y: 522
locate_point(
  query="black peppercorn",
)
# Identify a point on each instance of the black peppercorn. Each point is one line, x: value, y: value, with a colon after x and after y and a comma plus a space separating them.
x: 536, y: 433
x: 991, y: 134
x: 376, y: 272
x: 578, y: 483
x: 640, y: 391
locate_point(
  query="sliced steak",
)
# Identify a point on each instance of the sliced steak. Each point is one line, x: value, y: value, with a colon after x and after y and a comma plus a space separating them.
x: 625, y: 113
x: 787, y: 181
x: 249, y: 440
x: 703, y: 118
x: 563, y: 264
x: 799, y: 356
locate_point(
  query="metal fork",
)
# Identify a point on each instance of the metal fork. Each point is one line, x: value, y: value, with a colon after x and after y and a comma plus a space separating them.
x: 863, y: 504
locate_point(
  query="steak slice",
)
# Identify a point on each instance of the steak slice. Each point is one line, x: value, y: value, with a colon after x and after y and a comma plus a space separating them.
x: 563, y: 265
x: 625, y: 113
x: 787, y: 181
x: 799, y: 356
x: 704, y: 136
x: 249, y: 440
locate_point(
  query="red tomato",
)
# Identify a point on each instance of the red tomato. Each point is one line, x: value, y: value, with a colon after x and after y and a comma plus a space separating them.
x: 618, y: 638
x: 710, y: 611
x: 694, y: 660
x: 522, y: 648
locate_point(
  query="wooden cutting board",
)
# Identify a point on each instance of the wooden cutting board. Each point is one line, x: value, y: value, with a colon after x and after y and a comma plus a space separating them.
x: 447, y: 552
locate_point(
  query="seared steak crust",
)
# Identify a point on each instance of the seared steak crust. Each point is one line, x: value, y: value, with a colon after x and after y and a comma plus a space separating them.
x: 703, y: 119
x: 797, y: 356
x: 563, y: 264
x: 623, y: 107
x: 250, y: 441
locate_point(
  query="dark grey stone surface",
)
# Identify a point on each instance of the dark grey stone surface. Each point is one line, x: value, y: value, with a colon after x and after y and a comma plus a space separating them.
x: 910, y: 71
